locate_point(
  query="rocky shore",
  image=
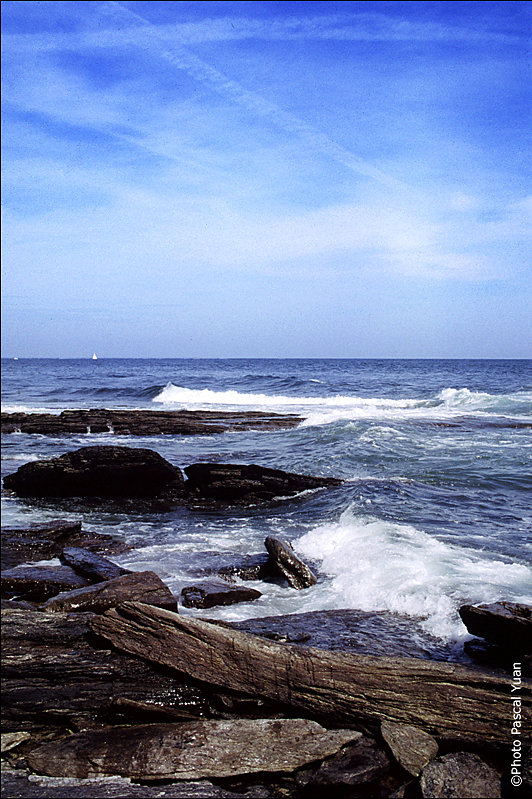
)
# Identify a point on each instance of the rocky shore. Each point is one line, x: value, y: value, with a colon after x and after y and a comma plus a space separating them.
x: 144, y: 423
x: 110, y: 690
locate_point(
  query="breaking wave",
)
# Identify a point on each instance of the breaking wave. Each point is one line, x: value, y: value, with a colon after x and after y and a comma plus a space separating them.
x: 380, y: 565
x: 320, y: 410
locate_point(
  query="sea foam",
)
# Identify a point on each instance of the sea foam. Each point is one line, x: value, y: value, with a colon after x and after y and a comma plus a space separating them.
x: 381, y: 565
x: 449, y: 402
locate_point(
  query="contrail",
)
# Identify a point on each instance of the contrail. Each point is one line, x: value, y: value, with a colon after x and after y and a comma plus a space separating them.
x: 198, y: 69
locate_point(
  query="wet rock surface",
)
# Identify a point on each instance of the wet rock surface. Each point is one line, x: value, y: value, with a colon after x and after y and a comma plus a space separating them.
x: 98, y: 471
x: 145, y: 423
x: 241, y: 484
x: 210, y: 594
x: 46, y: 541
x: 90, y: 565
x: 144, y: 587
x: 367, y: 633
x: 508, y: 624
x: 38, y: 583
x: 285, y: 562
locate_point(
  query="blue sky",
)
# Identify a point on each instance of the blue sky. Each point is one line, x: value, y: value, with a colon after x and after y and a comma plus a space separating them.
x: 266, y: 179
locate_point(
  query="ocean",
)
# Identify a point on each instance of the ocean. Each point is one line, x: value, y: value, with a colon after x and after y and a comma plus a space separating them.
x: 435, y: 510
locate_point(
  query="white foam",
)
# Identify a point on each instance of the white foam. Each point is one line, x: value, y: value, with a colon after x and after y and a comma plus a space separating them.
x: 379, y: 565
x: 324, y: 410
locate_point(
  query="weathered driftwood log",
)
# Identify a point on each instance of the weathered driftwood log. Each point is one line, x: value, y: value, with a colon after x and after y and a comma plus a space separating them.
x: 190, y: 750
x: 445, y: 699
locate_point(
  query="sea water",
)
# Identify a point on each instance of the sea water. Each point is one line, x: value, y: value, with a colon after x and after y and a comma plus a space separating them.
x: 435, y: 510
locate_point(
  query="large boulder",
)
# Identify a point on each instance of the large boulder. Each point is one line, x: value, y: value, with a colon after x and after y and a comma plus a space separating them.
x: 240, y: 484
x: 508, y: 624
x: 100, y: 471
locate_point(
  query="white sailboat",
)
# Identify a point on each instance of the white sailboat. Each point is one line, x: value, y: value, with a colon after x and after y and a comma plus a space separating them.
x: 94, y: 356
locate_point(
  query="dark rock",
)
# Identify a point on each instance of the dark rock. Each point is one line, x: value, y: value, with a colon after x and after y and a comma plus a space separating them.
x: 144, y: 587
x: 46, y: 541
x: 55, y: 675
x: 100, y: 472
x: 247, y: 567
x: 190, y: 750
x: 363, y: 632
x: 14, y: 604
x: 38, y: 583
x: 20, y: 784
x: 285, y: 561
x: 207, y: 595
x: 411, y: 747
x: 357, y: 763
x: 240, y: 484
x: 505, y: 623
x: 90, y: 565
x: 496, y: 657
x: 145, y: 423
x: 461, y: 774
x: 11, y: 740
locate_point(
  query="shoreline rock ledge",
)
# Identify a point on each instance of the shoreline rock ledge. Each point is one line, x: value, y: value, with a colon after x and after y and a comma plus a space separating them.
x: 110, y: 472
x: 144, y: 422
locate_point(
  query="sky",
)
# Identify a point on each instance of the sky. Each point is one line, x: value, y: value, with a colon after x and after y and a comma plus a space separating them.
x: 266, y: 179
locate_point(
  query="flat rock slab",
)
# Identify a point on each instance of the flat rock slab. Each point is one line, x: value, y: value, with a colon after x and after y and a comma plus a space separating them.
x: 190, y: 750
x: 285, y: 562
x: 412, y: 748
x: 98, y: 471
x: 247, y: 484
x: 145, y: 423
x: 90, y: 565
x: 462, y: 775
x: 210, y: 594
x: 134, y: 586
x: 19, y: 784
x: 363, y: 632
x: 46, y: 541
x: 503, y: 623
x: 38, y: 583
